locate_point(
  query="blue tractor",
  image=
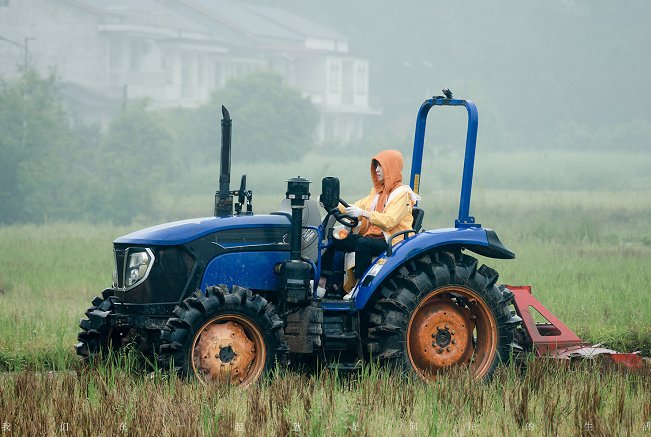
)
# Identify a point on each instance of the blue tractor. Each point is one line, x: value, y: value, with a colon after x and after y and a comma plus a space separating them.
x: 225, y: 298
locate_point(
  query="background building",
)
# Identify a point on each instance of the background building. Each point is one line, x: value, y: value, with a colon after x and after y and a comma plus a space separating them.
x: 177, y: 52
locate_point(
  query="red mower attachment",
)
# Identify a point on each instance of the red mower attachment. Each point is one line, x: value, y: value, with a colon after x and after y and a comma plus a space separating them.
x: 552, y: 339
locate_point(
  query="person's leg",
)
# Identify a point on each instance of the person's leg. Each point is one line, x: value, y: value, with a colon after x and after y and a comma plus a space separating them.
x: 366, y: 249
x: 348, y: 244
x: 327, y: 260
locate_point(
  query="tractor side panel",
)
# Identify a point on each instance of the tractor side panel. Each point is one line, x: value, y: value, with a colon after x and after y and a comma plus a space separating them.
x: 253, y: 270
x: 412, y: 247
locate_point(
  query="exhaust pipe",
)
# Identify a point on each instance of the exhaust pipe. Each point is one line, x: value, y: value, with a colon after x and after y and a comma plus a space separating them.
x: 224, y: 197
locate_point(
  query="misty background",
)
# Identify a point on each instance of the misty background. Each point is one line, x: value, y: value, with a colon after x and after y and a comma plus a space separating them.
x: 561, y: 88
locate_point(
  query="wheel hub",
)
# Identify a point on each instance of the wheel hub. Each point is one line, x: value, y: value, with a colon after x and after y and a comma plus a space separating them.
x: 443, y: 337
x: 440, y: 336
x: 224, y: 352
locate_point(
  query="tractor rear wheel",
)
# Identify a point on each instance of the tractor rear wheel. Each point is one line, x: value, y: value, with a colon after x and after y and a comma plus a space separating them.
x: 223, y: 337
x: 439, y: 311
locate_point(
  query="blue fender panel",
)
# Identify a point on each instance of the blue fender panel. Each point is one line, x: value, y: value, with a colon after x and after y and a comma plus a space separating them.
x: 254, y: 270
x: 414, y: 246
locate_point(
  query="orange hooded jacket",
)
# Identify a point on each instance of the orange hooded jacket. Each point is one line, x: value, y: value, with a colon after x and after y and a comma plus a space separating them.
x: 390, y: 203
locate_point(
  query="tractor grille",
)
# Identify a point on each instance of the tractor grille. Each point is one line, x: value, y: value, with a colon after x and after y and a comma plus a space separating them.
x: 166, y: 281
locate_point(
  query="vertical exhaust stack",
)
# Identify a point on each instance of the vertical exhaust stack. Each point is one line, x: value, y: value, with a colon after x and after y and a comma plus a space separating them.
x: 224, y: 197
x: 298, y: 192
x: 295, y: 274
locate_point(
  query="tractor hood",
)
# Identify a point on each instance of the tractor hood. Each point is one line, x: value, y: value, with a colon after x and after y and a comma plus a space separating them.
x: 183, y: 231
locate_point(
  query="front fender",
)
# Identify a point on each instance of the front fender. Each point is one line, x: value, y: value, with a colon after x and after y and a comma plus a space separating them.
x: 479, y: 240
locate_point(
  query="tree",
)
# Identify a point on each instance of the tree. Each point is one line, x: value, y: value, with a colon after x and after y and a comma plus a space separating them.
x: 137, y: 154
x: 33, y: 127
x: 270, y: 120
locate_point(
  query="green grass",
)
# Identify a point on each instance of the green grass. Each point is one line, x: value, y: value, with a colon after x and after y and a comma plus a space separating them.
x: 585, y: 262
x: 48, y: 276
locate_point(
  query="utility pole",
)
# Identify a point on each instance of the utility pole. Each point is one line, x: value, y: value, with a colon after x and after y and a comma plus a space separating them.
x: 27, y: 56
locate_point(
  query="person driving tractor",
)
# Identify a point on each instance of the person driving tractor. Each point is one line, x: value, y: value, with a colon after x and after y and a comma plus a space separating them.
x: 386, y: 210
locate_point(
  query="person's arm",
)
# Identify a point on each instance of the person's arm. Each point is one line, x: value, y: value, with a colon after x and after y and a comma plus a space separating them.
x: 363, y: 203
x: 393, y: 213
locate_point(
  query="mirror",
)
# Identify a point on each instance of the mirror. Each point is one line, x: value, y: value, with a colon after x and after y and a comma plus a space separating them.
x: 330, y: 192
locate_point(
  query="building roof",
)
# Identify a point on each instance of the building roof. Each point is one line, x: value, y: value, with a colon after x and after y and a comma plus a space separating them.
x: 261, y: 23
x: 227, y: 21
x: 244, y: 19
x: 146, y: 13
x: 295, y: 23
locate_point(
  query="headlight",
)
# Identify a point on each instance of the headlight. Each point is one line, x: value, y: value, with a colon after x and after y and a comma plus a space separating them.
x: 134, y: 268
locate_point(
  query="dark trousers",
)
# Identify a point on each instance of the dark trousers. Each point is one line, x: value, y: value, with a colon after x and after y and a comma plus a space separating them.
x: 365, y: 249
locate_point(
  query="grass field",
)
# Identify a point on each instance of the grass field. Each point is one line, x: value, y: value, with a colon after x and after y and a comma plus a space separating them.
x: 586, y: 253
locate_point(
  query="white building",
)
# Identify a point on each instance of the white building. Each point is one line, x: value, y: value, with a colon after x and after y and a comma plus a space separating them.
x: 176, y: 52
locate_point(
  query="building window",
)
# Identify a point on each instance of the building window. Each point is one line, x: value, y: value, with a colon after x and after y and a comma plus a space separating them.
x: 200, y: 72
x: 137, y: 51
x: 167, y: 65
x: 219, y: 75
x: 361, y: 79
x: 334, y: 76
x: 188, y: 77
x: 115, y: 55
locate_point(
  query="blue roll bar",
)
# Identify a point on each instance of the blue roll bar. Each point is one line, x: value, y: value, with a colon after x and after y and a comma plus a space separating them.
x: 464, y: 220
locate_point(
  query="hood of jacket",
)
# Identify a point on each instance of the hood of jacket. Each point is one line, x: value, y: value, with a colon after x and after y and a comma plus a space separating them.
x: 391, y: 163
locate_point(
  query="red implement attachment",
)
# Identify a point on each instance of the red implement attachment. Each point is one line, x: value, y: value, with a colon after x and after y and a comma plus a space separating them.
x: 553, y: 339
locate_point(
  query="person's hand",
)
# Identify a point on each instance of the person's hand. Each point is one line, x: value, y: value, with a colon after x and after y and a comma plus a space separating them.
x: 356, y: 211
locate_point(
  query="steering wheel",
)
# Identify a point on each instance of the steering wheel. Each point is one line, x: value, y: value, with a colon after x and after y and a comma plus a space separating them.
x: 344, y: 219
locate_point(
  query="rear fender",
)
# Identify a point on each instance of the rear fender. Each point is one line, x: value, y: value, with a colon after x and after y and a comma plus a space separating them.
x: 479, y: 240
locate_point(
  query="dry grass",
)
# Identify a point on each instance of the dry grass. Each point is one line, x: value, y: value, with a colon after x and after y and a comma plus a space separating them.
x: 546, y: 400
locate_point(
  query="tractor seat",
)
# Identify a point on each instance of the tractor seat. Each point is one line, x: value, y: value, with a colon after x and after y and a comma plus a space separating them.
x: 418, y: 215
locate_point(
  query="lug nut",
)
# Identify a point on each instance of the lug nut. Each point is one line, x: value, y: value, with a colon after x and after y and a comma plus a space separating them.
x: 454, y: 342
x: 440, y: 350
x: 447, y: 348
x: 447, y: 327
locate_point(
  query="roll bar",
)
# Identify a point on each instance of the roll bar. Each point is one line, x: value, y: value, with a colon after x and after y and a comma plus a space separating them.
x: 464, y: 220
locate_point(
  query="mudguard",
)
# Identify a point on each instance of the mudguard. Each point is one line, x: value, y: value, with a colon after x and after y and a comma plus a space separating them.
x: 476, y: 239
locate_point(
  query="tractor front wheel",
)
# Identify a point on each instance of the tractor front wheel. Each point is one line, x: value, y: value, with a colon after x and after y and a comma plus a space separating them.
x: 97, y: 337
x: 440, y: 311
x: 223, y: 337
